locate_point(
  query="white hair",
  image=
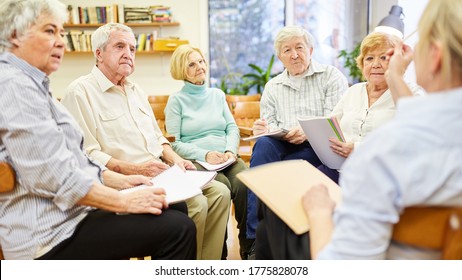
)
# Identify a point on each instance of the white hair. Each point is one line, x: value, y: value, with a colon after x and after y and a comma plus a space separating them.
x: 16, y: 17
x: 289, y: 32
x: 100, y: 37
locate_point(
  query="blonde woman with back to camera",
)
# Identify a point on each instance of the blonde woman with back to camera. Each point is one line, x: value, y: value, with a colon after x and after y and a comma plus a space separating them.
x: 398, y: 165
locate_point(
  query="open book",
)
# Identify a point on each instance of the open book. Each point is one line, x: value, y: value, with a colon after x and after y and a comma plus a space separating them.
x: 318, y: 130
x: 281, y: 186
x: 275, y: 134
x: 216, y: 167
x: 178, y: 184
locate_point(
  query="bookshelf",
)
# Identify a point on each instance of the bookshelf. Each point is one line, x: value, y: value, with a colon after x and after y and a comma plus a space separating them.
x: 133, y: 25
x: 147, y: 22
x: 81, y: 29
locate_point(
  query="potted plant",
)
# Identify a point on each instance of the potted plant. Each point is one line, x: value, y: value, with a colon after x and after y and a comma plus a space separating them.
x: 260, y: 78
x: 350, y: 63
x: 234, y: 84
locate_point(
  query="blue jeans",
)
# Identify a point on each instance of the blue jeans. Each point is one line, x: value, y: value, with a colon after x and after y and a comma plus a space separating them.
x: 267, y: 150
x: 331, y: 173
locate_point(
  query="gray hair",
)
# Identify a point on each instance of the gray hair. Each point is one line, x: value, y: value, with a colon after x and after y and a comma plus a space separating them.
x: 16, y: 17
x: 100, y: 37
x: 289, y: 32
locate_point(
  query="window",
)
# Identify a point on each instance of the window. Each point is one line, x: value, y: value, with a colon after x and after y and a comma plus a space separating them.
x: 243, y: 32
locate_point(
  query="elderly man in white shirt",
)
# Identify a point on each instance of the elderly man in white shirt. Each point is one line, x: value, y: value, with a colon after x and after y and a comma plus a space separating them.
x: 121, y: 131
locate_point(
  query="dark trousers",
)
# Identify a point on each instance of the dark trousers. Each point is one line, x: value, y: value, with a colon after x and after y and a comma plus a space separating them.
x: 267, y: 150
x: 239, y: 197
x: 105, y: 235
x: 276, y: 241
x: 331, y: 173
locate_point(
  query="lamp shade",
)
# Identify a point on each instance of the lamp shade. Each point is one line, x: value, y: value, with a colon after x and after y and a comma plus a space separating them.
x: 393, y: 23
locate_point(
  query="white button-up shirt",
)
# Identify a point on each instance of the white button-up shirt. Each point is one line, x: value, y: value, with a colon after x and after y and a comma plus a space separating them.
x: 115, y: 124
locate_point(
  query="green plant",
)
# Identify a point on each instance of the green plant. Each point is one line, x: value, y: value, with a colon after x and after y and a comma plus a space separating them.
x: 260, y: 78
x: 234, y: 84
x: 350, y: 63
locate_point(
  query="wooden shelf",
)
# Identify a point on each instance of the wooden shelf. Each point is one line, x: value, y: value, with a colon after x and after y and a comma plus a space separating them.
x: 146, y: 24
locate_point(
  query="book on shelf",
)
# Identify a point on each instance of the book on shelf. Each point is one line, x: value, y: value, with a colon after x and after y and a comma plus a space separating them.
x: 216, y: 167
x: 118, y: 13
x: 121, y: 13
x: 281, y: 186
x: 75, y: 17
x: 86, y: 40
x: 278, y: 134
x: 318, y: 130
x: 92, y: 15
x: 68, y: 42
x: 179, y: 185
x: 75, y: 39
x: 141, y: 42
x: 161, y: 13
x: 148, y: 45
x: 112, y: 13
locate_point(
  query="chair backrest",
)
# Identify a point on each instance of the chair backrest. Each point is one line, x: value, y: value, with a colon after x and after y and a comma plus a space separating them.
x: 158, y: 98
x: 232, y: 99
x: 158, y: 104
x: 437, y: 228
x: 7, y: 183
x: 246, y: 113
x: 7, y: 177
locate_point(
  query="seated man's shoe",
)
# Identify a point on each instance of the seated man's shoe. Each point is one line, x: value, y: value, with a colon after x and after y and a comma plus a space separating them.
x: 250, y: 253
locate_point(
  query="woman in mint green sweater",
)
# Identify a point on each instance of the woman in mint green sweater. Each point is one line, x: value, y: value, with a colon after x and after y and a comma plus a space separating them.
x: 205, y: 130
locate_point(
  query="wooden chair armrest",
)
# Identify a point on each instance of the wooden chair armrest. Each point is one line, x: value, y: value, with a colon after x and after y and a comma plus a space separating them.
x: 245, y: 131
x: 7, y: 177
x: 437, y: 228
x: 170, y: 138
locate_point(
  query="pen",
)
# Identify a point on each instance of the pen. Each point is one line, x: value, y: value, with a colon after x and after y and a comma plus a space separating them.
x: 409, y: 35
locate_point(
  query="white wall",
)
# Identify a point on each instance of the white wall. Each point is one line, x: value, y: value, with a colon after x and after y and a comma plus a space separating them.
x: 152, y: 70
x: 412, y: 11
x: 379, y: 10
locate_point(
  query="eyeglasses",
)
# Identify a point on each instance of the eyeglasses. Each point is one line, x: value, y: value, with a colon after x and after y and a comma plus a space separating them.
x: 197, y: 63
x: 362, y: 123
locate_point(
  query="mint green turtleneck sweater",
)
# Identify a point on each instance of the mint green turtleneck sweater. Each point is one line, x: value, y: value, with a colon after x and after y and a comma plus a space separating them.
x: 201, y: 121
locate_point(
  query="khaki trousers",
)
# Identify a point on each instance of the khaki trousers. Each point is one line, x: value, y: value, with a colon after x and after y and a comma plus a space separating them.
x: 210, y: 212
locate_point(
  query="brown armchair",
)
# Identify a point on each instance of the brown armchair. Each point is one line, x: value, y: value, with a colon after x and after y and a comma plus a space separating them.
x: 7, y: 183
x: 232, y: 99
x: 245, y: 113
x: 437, y: 228
x: 158, y: 103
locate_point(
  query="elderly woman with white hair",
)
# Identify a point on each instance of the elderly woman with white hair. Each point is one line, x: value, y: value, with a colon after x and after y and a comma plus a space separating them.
x: 52, y: 212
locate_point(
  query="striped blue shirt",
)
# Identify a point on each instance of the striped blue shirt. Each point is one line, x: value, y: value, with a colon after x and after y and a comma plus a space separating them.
x: 315, y: 94
x: 41, y: 141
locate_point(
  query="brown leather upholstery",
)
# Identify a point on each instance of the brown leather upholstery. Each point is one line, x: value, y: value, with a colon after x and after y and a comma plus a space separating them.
x: 437, y: 228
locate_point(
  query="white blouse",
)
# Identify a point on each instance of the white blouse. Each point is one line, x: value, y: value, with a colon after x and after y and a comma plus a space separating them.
x: 357, y: 119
